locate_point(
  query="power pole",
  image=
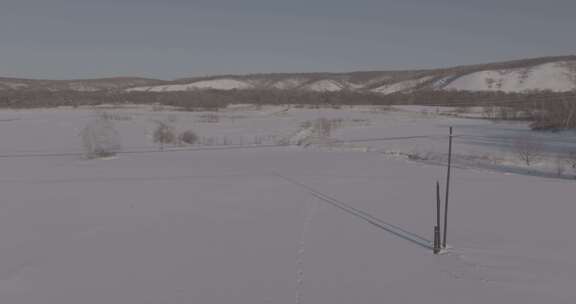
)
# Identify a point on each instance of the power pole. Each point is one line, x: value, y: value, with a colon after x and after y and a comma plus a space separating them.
x: 437, y: 239
x: 447, y: 188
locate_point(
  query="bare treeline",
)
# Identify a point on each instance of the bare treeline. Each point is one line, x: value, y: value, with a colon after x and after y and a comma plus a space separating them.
x: 187, y: 100
x: 547, y: 110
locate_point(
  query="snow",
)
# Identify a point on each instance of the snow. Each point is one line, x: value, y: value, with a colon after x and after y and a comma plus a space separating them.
x: 221, y: 84
x: 217, y: 84
x: 290, y: 83
x: 401, y: 86
x: 441, y: 83
x: 81, y: 87
x: 220, y: 226
x: 555, y: 76
x: 14, y: 85
x: 325, y: 85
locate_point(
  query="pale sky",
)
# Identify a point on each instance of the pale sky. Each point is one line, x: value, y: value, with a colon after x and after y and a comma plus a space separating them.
x: 167, y: 39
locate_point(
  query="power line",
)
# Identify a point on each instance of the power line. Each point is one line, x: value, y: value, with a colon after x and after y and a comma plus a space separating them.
x: 247, y: 147
x: 389, y: 138
x: 215, y: 148
x: 510, y: 139
x: 143, y: 151
x: 114, y: 179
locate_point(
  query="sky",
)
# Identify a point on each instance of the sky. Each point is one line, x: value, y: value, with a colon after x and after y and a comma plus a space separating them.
x: 169, y: 39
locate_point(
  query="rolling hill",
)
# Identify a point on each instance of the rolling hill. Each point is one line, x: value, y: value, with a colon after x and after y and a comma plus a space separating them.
x: 538, y: 74
x: 556, y: 74
x: 85, y: 85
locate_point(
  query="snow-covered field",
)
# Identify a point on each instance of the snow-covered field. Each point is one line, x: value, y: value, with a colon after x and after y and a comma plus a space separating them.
x: 232, y: 219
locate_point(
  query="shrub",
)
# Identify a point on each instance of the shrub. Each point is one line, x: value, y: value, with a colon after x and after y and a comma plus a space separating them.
x: 164, y: 134
x: 100, y: 138
x: 188, y: 137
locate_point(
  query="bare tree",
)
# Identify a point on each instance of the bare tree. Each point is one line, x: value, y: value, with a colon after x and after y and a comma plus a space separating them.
x: 164, y: 134
x: 528, y: 149
x: 323, y: 127
x: 100, y: 138
x: 572, y: 159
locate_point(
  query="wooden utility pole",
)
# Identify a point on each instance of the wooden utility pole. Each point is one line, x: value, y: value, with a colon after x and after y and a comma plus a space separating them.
x: 437, y: 239
x: 447, y: 188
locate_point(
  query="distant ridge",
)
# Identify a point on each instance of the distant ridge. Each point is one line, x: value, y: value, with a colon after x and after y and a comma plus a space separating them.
x: 556, y: 74
x: 98, y: 84
x: 534, y: 74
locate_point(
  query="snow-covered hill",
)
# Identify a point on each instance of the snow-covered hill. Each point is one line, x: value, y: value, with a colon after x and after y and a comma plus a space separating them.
x: 401, y: 86
x: 85, y: 85
x: 216, y: 84
x: 539, y: 74
x: 554, y: 76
